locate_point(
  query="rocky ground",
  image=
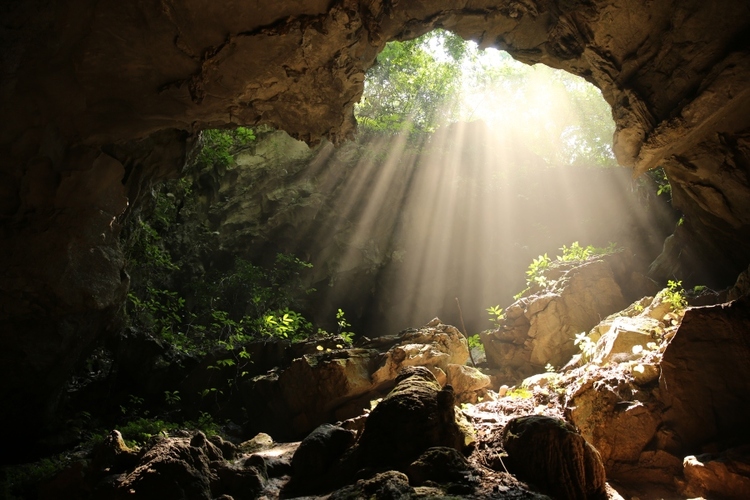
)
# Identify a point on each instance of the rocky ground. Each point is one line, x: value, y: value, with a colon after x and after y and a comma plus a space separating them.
x: 634, y: 413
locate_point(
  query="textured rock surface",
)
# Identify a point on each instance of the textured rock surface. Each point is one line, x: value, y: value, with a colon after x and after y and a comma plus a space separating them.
x: 726, y: 475
x: 316, y: 454
x: 434, y: 346
x: 551, y: 454
x: 85, y: 86
x: 619, y: 430
x: 466, y: 380
x: 704, y: 401
x: 415, y: 415
x: 540, y: 329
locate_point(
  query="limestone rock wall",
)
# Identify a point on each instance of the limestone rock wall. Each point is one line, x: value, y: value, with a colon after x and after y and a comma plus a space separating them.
x: 82, y: 81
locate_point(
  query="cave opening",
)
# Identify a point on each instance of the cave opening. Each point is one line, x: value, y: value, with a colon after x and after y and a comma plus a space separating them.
x: 467, y: 166
x: 425, y: 218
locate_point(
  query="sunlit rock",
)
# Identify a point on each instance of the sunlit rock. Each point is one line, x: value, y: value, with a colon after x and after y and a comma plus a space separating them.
x: 625, y: 338
x: 465, y: 381
x: 433, y: 345
x: 718, y: 475
x: 617, y: 419
x: 540, y: 329
x: 314, y: 385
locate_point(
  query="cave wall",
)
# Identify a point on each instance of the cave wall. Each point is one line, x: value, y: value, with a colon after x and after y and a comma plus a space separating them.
x: 100, y: 98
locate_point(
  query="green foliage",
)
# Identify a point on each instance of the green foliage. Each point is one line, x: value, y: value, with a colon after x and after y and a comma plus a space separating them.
x: 535, y: 272
x: 519, y: 393
x: 241, y: 304
x: 342, y: 325
x: 18, y: 482
x: 218, y: 146
x: 136, y: 432
x: 578, y: 253
x: 475, y: 342
x: 286, y: 324
x: 172, y: 398
x: 575, y: 253
x: 663, y: 187
x: 586, y: 345
x: 675, y: 295
x: 496, y: 315
x: 410, y: 88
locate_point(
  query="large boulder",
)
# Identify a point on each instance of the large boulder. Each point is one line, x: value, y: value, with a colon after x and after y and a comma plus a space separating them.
x: 552, y: 455
x: 705, y: 375
x: 540, y: 329
x: 416, y: 415
x: 616, y: 418
x: 172, y: 469
x: 316, y: 454
x: 467, y: 382
x: 435, y: 346
x: 314, y: 386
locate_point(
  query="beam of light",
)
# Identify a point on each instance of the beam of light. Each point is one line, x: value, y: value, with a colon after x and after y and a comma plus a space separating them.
x: 464, y: 218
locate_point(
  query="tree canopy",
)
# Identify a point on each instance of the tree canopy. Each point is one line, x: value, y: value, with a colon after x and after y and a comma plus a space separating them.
x: 419, y: 85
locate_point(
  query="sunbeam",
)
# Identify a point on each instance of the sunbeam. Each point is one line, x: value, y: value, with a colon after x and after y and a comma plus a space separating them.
x: 501, y: 163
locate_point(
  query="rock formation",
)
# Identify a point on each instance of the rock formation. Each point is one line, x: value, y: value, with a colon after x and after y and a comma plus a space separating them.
x: 100, y: 100
x: 551, y: 454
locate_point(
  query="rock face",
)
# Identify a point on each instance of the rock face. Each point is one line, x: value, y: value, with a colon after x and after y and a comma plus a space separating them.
x: 540, y: 329
x: 704, y: 401
x: 97, y: 103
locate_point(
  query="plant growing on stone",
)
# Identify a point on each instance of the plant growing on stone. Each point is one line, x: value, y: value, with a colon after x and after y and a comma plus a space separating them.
x: 586, y: 345
x: 675, y: 295
x: 535, y: 272
x: 475, y: 342
x: 342, y: 325
x: 496, y: 315
x: 578, y: 253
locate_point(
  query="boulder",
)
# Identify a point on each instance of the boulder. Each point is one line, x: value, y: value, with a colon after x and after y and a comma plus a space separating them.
x: 622, y: 334
x: 466, y: 380
x: 440, y: 465
x: 705, y: 374
x: 614, y: 421
x: 390, y: 485
x: 724, y: 475
x: 112, y: 455
x: 540, y: 329
x: 435, y: 345
x: 552, y: 455
x: 416, y: 415
x: 171, y: 469
x: 315, y: 456
x: 315, y: 385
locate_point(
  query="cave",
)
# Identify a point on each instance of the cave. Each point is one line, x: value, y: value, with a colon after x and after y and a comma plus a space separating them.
x: 101, y: 101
